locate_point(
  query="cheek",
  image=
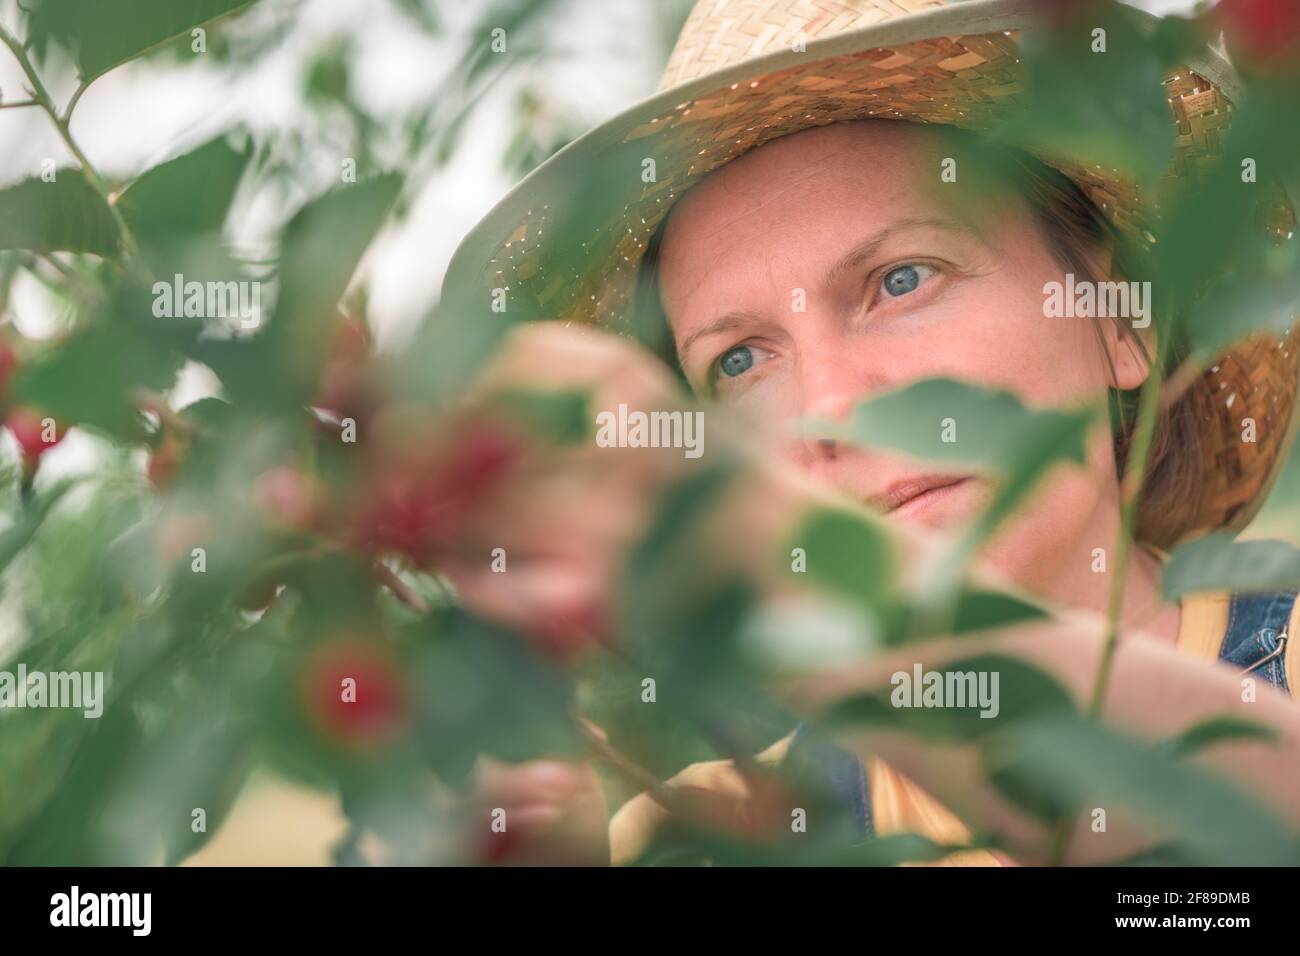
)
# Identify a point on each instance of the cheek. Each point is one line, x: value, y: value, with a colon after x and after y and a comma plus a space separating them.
x: 1000, y: 338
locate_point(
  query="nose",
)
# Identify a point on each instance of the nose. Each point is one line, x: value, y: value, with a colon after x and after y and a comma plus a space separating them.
x: 835, y: 374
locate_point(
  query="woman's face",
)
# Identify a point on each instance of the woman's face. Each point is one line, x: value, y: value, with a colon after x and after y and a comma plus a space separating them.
x: 847, y: 221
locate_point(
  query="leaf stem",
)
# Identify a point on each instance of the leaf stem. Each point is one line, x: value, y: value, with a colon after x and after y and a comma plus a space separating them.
x: 1149, y: 407
x: 1130, y: 495
x: 401, y: 590
x: 631, y: 772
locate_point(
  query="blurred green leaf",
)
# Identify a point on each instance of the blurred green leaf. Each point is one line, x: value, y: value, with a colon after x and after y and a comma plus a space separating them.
x: 847, y: 554
x: 1261, y: 295
x: 1022, y: 693
x: 103, y: 35
x: 1080, y: 764
x: 92, y: 377
x: 321, y: 247
x: 17, y: 536
x: 974, y: 611
x: 1215, y: 730
x: 957, y: 422
x: 559, y: 416
x: 1090, y: 105
x: 485, y: 691
x: 895, y: 850
x: 187, y: 196
x: 1218, y: 562
x: 64, y: 215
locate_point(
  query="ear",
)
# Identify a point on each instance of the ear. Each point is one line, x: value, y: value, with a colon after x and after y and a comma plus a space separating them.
x: 1129, y: 352
x: 1130, y: 349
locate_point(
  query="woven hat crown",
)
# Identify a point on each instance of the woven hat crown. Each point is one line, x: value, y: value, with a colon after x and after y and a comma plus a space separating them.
x: 722, y: 33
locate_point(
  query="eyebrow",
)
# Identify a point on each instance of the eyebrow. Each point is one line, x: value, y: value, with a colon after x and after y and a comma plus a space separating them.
x: 864, y: 250
x: 854, y: 258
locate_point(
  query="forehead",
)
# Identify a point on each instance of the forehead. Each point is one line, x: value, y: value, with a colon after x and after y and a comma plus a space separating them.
x: 859, y: 168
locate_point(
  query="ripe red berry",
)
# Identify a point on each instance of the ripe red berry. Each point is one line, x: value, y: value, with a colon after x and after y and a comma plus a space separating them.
x: 344, y: 389
x: 165, y: 459
x: 1262, y: 34
x: 571, y: 628
x: 36, y: 433
x: 289, y: 496
x: 354, y: 693
x: 415, y: 503
x: 8, y: 363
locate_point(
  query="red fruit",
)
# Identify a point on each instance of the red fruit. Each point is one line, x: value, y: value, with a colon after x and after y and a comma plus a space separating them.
x: 499, y: 848
x: 571, y: 629
x: 35, y: 433
x: 8, y: 364
x: 416, y: 506
x: 344, y: 389
x: 1262, y: 33
x: 354, y: 693
x: 178, y: 534
x: 165, y: 460
x: 289, y: 496
x: 480, y: 458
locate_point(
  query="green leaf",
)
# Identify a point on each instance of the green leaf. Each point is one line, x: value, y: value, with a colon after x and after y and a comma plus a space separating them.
x: 16, y: 537
x: 1103, y: 108
x: 92, y: 376
x: 187, y: 196
x: 1021, y: 693
x: 846, y: 554
x: 559, y: 416
x: 1214, y: 730
x: 1216, y: 562
x: 66, y: 215
x: 973, y: 611
x: 1080, y: 764
x: 1260, y: 295
x: 895, y: 850
x: 321, y: 247
x: 949, y: 421
x: 483, y: 690
x: 960, y: 423
x: 103, y: 35
x: 1213, y: 224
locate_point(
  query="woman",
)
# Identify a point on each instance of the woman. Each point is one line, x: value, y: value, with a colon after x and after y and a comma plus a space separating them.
x: 820, y: 265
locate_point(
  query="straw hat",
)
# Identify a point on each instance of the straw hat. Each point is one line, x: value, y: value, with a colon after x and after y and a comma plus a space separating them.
x: 567, y: 242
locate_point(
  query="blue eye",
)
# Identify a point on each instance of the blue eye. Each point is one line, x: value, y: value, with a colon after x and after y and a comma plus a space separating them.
x: 902, y: 280
x: 736, y: 361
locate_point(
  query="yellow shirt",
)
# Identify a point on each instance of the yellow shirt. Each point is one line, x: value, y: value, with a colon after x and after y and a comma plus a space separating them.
x: 897, y: 804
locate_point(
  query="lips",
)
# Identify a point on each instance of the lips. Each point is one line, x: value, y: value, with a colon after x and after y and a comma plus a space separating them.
x: 912, y: 492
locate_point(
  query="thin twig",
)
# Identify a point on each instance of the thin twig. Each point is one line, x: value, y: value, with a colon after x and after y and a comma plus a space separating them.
x: 632, y: 772
x: 401, y: 590
x: 72, y: 103
x: 1149, y: 407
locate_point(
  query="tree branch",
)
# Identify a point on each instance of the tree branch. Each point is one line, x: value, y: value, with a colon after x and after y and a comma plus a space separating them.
x: 41, y: 98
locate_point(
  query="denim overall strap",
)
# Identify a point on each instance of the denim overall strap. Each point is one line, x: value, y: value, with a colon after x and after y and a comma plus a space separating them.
x: 1256, y: 640
x: 844, y: 775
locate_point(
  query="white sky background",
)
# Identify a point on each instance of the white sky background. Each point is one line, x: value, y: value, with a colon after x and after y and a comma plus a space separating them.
x: 140, y: 114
